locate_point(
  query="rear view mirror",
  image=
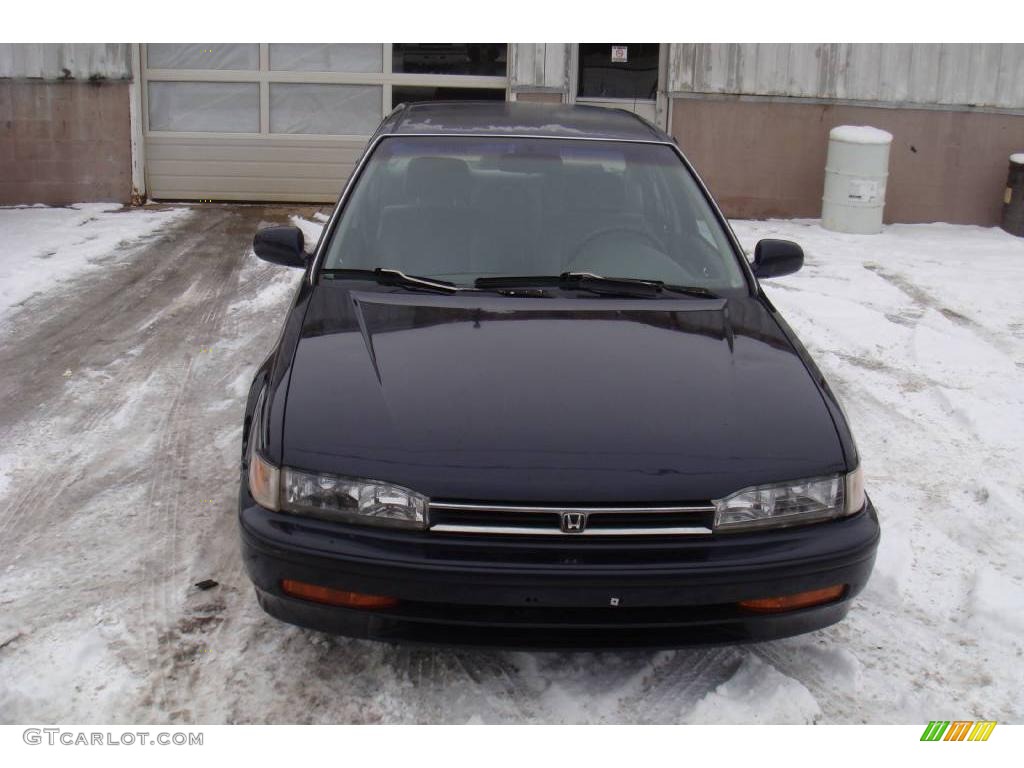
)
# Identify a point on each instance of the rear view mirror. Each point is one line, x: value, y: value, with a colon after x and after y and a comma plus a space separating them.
x: 774, y: 258
x: 281, y: 245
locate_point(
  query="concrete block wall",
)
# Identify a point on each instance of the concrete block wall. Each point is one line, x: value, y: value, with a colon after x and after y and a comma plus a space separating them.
x: 764, y: 158
x: 64, y: 141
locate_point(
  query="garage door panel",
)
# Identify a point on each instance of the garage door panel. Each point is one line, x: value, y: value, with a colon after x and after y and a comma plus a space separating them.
x: 264, y: 148
x: 252, y: 183
x: 203, y: 56
x: 254, y: 188
x: 228, y: 168
x: 234, y: 195
x: 249, y: 188
x: 214, y: 107
x: 327, y: 57
x: 284, y: 122
x: 256, y: 168
x: 325, y: 108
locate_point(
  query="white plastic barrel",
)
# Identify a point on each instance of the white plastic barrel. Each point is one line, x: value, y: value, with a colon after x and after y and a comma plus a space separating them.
x: 855, y: 176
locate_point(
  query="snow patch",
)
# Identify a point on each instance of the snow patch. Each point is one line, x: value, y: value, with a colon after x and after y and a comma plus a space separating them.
x: 995, y: 599
x: 240, y: 386
x: 47, y: 246
x: 278, y: 283
x: 757, y: 693
x: 860, y: 134
x: 895, y: 559
x: 7, y: 464
x: 10, y: 632
x: 56, y: 661
x: 310, y: 230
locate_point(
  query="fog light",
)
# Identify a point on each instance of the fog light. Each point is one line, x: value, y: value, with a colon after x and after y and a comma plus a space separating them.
x: 794, y: 602
x: 330, y: 596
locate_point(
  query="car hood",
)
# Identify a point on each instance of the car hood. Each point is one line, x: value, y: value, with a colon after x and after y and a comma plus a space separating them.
x: 585, y: 400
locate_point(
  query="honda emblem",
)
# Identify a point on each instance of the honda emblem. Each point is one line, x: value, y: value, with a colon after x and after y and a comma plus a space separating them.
x: 574, y: 522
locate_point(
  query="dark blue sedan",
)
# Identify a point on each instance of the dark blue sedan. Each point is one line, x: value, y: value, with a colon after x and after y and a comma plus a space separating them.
x: 530, y: 393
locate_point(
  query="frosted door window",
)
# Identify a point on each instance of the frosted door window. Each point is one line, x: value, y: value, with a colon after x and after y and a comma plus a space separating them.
x: 352, y: 110
x: 326, y: 57
x: 214, y: 107
x: 203, y: 56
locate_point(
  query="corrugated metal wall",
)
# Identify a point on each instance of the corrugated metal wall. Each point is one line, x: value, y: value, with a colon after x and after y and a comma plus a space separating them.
x: 80, y: 61
x: 983, y: 75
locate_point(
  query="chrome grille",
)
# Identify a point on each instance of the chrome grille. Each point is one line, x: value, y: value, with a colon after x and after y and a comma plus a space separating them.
x: 514, y: 520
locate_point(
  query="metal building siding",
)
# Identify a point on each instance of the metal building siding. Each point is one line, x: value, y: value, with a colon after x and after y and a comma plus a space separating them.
x: 80, y: 61
x: 976, y: 74
x: 539, y: 66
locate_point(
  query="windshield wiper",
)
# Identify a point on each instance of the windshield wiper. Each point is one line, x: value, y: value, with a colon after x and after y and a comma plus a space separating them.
x: 609, y: 286
x: 583, y: 281
x: 587, y: 281
x: 691, y: 290
x: 397, y: 278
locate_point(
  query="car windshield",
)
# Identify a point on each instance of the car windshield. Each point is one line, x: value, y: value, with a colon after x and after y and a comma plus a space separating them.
x: 460, y: 208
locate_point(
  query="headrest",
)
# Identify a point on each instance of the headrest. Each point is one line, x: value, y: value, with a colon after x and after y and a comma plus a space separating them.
x: 595, y: 188
x: 441, y: 180
x: 505, y: 192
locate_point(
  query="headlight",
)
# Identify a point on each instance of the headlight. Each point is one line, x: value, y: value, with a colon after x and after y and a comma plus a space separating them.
x: 782, y: 504
x: 333, y: 497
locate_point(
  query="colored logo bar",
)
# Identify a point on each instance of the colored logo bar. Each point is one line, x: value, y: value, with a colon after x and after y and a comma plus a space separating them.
x: 958, y: 730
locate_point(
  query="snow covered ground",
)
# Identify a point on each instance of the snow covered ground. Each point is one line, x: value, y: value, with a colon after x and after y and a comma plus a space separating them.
x: 121, y: 396
x: 43, y: 244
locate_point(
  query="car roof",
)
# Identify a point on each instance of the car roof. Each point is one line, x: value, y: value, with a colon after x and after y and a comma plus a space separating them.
x: 503, y: 118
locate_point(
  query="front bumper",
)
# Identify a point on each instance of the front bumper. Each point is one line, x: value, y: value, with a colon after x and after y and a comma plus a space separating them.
x: 518, y: 592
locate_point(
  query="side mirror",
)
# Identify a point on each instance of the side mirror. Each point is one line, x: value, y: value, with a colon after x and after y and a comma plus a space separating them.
x: 773, y: 258
x: 281, y: 245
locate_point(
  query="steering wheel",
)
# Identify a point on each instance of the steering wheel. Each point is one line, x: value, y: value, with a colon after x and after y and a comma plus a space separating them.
x: 609, y: 232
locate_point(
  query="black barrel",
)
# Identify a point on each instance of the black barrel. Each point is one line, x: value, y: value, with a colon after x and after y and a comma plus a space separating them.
x: 1013, y: 198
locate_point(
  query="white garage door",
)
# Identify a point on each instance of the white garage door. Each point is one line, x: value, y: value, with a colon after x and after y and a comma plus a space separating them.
x: 286, y: 122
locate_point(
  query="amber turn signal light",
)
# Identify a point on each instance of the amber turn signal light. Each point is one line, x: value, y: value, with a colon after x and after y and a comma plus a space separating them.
x: 794, y: 602
x: 339, y: 597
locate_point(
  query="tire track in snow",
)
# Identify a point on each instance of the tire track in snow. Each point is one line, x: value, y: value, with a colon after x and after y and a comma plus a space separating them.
x: 183, y: 445
x: 925, y: 300
x: 70, y: 342
x: 673, y: 686
x: 193, y: 626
